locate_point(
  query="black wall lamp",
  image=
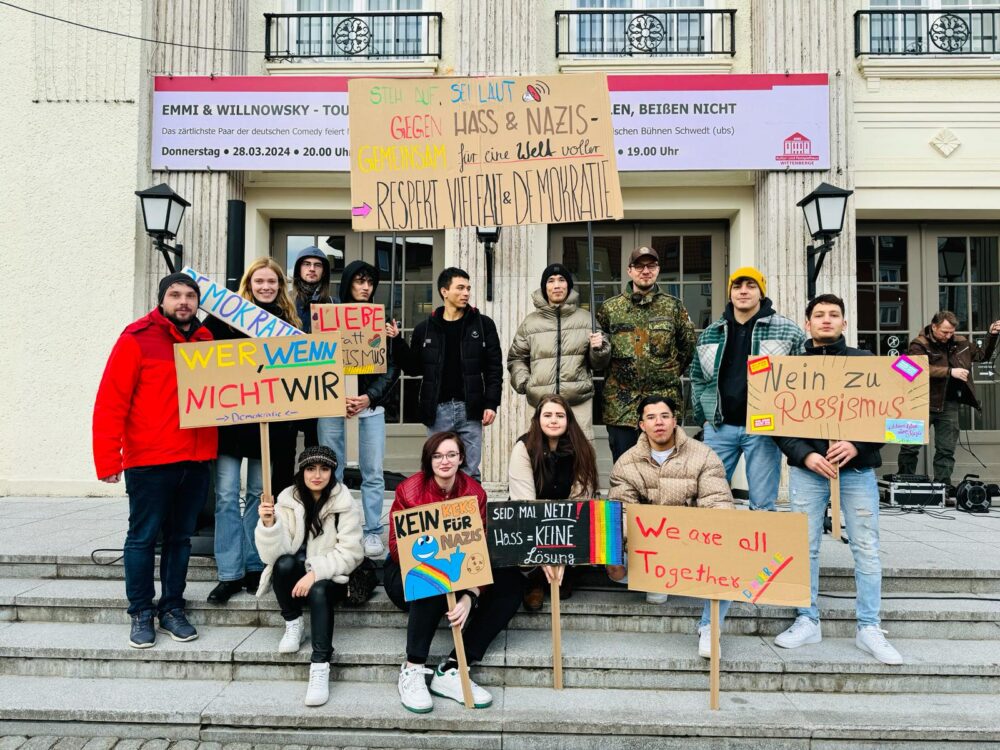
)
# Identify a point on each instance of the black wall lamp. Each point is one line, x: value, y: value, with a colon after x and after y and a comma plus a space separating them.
x: 162, y: 211
x: 824, y: 209
x: 489, y: 236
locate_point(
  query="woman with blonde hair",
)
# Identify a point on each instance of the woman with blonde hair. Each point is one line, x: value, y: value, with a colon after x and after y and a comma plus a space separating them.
x: 236, y: 556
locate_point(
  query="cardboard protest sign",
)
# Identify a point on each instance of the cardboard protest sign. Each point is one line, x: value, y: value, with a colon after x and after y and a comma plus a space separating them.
x: 869, y: 399
x: 434, y: 153
x: 555, y: 533
x: 361, y: 328
x: 761, y: 558
x: 259, y: 380
x: 241, y: 314
x: 442, y: 548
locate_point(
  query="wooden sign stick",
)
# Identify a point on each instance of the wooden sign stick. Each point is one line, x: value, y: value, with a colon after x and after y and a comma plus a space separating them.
x: 463, y: 667
x: 557, y: 677
x: 835, y: 504
x: 265, y: 460
x: 713, y: 680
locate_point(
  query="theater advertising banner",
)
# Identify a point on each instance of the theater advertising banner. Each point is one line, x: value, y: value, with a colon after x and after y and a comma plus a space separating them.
x: 660, y: 122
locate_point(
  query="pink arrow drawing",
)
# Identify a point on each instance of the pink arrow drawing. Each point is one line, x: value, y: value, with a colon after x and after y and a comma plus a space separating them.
x: 363, y: 210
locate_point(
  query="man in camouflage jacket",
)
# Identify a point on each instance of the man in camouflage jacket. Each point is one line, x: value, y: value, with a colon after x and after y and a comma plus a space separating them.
x: 652, y: 344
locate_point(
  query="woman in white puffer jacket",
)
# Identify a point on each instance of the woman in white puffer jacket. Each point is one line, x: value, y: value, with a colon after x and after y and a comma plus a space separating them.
x: 310, y: 541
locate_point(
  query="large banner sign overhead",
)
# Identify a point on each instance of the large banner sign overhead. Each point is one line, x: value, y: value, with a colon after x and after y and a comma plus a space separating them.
x: 434, y: 153
x: 868, y: 399
x: 660, y: 122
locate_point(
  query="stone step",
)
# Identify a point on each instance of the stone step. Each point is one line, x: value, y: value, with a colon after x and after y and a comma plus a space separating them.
x: 521, y: 718
x: 517, y: 659
x: 896, y: 578
x: 936, y: 616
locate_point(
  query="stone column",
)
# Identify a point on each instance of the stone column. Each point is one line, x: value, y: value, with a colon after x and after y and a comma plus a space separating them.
x: 806, y: 36
x: 508, y: 44
x: 218, y: 25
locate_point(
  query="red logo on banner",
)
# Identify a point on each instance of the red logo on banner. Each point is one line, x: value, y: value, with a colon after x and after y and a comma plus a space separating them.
x: 797, y: 150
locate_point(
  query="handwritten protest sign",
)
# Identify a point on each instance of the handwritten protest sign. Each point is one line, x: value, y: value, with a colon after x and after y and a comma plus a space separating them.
x: 241, y: 314
x: 870, y: 399
x: 442, y: 548
x: 762, y: 558
x: 361, y: 328
x: 259, y: 380
x: 434, y: 153
x: 555, y: 533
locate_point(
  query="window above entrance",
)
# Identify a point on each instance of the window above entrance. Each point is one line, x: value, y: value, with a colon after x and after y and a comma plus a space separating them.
x: 352, y: 31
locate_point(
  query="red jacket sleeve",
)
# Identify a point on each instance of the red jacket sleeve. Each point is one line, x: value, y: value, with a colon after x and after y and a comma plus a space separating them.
x: 114, y: 399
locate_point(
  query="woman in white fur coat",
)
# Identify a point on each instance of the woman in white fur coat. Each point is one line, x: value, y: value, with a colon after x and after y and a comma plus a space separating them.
x: 310, y: 541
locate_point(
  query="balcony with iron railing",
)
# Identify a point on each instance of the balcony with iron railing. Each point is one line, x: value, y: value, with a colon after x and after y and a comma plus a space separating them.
x: 345, y: 37
x: 952, y: 32
x: 643, y: 34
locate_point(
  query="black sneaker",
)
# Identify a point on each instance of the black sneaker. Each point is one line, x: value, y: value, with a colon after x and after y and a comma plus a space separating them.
x: 143, y: 635
x: 223, y: 591
x: 252, y: 581
x: 175, y: 623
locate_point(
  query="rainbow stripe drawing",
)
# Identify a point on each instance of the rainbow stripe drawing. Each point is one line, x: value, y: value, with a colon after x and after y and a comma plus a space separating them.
x: 765, y: 576
x: 605, y: 532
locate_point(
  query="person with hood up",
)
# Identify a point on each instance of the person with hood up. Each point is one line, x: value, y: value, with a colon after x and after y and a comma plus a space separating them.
x: 310, y: 286
x: 236, y: 556
x: 555, y: 350
x: 137, y: 432
x: 358, y: 284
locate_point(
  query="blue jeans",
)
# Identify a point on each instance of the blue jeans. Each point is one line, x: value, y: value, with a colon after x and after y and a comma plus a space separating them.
x: 763, y: 467
x: 163, y: 498
x: 235, y: 549
x: 371, y: 432
x: 451, y: 416
x: 810, y: 494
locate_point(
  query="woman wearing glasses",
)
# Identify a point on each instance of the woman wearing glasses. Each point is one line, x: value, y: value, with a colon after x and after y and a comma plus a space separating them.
x: 483, y: 613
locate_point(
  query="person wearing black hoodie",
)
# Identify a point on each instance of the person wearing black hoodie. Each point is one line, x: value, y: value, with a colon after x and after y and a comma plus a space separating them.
x: 310, y: 286
x: 457, y: 353
x: 358, y: 284
x: 236, y: 555
x: 812, y: 463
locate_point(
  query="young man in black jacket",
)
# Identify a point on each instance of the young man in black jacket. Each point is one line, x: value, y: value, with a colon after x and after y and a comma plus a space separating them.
x: 457, y: 353
x: 812, y: 463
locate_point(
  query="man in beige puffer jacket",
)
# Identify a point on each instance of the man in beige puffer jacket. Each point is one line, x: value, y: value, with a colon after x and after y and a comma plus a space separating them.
x: 555, y: 349
x: 666, y: 467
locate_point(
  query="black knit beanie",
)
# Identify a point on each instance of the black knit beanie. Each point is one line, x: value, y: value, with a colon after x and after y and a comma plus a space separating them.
x: 317, y: 454
x: 557, y: 269
x: 176, y: 278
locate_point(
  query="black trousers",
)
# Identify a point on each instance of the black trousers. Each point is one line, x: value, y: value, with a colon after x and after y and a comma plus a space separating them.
x: 283, y: 445
x: 497, y: 605
x: 321, y: 600
x: 621, y: 439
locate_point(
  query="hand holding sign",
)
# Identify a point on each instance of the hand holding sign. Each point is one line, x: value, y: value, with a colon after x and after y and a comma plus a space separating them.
x: 265, y: 510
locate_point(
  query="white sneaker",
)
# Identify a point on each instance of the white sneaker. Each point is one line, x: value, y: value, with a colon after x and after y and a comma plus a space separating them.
x: 802, y: 632
x: 413, y: 689
x: 318, y: 691
x: 449, y: 685
x: 656, y: 598
x: 705, y: 642
x: 871, y: 638
x: 292, y: 639
x: 373, y: 545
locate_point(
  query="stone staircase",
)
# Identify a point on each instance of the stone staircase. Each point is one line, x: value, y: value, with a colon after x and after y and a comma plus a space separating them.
x: 633, y: 678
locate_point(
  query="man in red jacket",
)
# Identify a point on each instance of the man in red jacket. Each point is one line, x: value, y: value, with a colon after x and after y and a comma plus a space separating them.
x: 137, y: 429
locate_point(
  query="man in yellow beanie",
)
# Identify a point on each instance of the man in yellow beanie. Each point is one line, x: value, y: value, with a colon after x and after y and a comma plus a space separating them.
x: 749, y: 327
